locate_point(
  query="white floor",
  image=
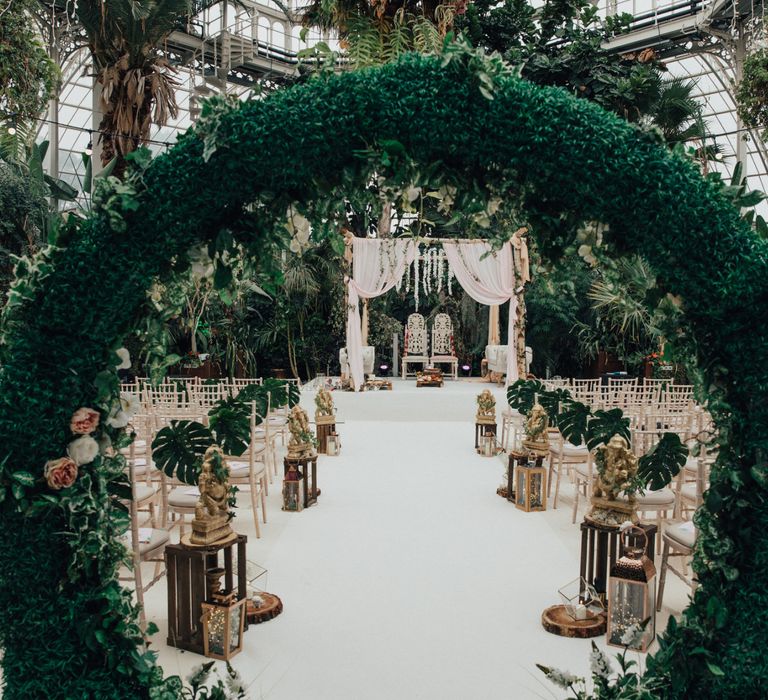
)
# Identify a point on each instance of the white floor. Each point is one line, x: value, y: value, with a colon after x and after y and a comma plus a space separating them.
x: 410, y: 578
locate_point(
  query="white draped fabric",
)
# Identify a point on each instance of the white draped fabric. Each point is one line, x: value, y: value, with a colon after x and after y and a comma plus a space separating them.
x: 488, y: 276
x: 377, y: 265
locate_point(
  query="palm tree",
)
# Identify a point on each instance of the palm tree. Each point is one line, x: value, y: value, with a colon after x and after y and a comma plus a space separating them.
x: 137, y: 83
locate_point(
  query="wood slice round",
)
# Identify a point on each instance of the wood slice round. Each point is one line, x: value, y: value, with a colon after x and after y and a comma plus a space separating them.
x: 556, y: 620
x: 272, y: 607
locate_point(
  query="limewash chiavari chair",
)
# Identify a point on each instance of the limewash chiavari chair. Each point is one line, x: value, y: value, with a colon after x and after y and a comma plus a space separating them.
x: 679, y: 539
x: 586, y: 391
x: 251, y: 470
x: 239, y: 383
x: 677, y: 397
x: 564, y: 457
x: 146, y: 545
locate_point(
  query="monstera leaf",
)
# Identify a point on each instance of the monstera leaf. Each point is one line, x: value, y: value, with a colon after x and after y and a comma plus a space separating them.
x: 255, y: 395
x: 554, y: 402
x: 278, y: 392
x: 573, y: 422
x: 178, y: 449
x: 294, y: 395
x: 230, y: 421
x: 604, y: 425
x: 521, y: 395
x: 662, y: 462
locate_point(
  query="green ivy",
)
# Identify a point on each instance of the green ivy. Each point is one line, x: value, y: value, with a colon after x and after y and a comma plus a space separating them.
x: 556, y: 155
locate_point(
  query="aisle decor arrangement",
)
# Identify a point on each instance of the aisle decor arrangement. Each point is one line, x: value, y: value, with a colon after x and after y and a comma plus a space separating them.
x: 325, y: 422
x: 485, y: 423
x: 212, y: 515
x: 616, y: 467
x: 179, y: 448
x: 339, y: 133
x: 580, y: 425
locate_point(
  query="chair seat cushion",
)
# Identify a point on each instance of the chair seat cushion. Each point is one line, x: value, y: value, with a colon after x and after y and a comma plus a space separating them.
x: 415, y: 358
x: 143, y: 492
x: 444, y: 358
x: 570, y: 451
x: 692, y: 465
x: 278, y: 420
x: 583, y: 471
x: 139, y: 448
x: 662, y: 497
x: 158, y: 539
x: 241, y: 470
x: 682, y: 533
x: 688, y: 491
x: 183, y: 498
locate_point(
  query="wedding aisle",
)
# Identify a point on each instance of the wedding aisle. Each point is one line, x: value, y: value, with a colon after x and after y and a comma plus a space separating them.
x: 410, y: 578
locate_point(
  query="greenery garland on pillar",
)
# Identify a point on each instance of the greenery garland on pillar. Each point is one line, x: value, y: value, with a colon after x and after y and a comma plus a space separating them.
x: 66, y: 627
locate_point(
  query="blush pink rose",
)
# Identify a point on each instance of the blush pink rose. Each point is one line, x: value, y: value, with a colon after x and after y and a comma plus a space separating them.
x: 84, y: 421
x: 60, y: 473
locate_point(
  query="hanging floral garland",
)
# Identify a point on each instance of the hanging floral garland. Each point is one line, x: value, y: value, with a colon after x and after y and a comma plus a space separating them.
x: 416, y: 276
x: 434, y: 275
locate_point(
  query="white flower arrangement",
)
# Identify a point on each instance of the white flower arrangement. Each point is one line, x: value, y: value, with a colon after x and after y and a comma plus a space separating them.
x: 83, y: 450
x: 632, y: 635
x: 599, y: 663
x: 300, y: 229
x: 127, y: 408
x: 562, y: 679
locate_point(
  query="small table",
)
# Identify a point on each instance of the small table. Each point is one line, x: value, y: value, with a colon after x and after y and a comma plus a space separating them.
x: 307, y: 468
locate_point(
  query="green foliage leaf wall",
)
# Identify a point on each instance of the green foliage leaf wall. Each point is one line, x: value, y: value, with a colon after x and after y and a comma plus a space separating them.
x: 565, y: 155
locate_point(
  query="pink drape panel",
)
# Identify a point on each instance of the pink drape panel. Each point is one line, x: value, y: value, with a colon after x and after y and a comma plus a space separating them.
x: 488, y: 277
x: 377, y: 265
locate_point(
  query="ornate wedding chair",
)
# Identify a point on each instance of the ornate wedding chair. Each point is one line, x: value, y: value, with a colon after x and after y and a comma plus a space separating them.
x: 415, y: 345
x: 443, y: 351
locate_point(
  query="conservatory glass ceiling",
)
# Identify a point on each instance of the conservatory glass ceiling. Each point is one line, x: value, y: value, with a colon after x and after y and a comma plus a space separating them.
x: 276, y: 41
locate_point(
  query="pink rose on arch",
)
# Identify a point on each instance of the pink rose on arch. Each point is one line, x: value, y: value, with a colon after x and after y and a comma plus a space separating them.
x: 84, y: 421
x: 60, y: 473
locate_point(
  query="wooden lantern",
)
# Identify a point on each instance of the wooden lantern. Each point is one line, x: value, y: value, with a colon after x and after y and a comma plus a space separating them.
x: 223, y: 626
x: 332, y: 445
x: 531, y: 489
x: 632, y: 594
x: 487, y: 446
x: 292, y: 496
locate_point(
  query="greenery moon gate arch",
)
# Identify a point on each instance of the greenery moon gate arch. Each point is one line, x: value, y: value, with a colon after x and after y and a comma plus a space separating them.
x: 68, y: 629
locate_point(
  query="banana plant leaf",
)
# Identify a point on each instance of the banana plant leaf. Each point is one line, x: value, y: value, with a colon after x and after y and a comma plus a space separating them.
x: 230, y: 421
x: 604, y: 425
x: 573, y: 422
x: 662, y: 462
x: 178, y: 449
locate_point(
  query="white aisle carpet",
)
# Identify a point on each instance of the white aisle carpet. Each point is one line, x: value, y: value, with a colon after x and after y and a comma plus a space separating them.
x: 410, y: 578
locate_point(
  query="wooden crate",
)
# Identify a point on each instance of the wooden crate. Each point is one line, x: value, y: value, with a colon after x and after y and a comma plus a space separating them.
x: 600, y: 547
x: 188, y: 588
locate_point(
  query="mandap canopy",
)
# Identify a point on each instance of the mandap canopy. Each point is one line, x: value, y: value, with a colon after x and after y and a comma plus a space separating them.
x: 67, y: 628
x: 487, y: 275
